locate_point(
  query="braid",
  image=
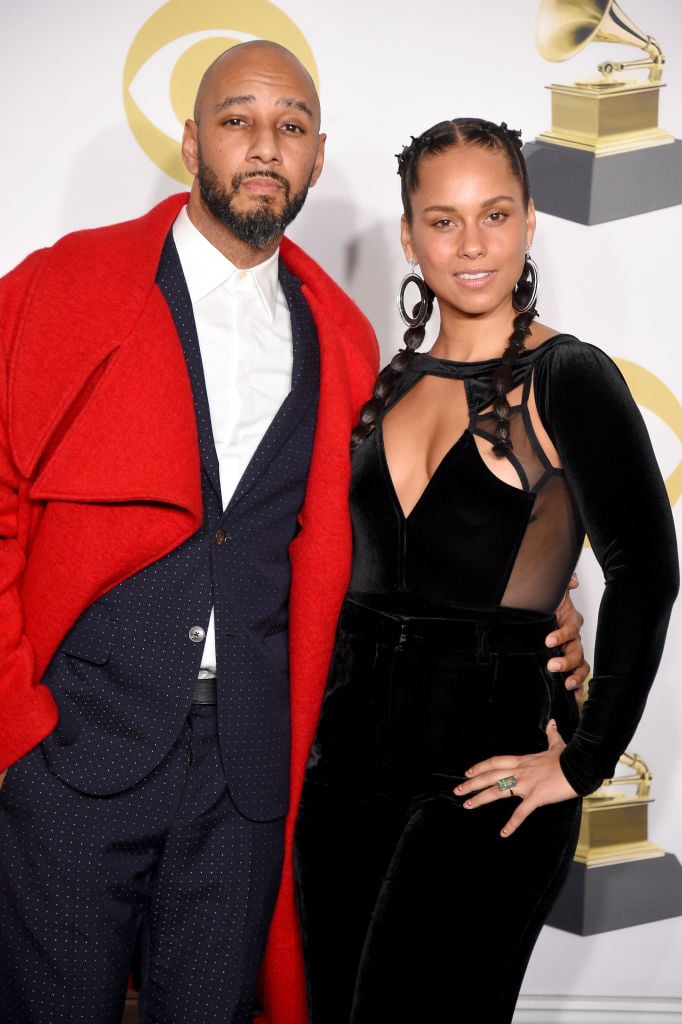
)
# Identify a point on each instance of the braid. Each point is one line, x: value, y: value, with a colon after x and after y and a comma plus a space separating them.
x: 502, y: 380
x: 388, y: 378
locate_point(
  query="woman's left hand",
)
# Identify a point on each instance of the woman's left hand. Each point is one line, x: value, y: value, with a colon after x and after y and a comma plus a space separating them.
x: 536, y: 778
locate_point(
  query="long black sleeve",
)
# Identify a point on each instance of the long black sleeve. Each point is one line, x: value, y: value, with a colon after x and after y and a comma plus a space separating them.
x: 611, y: 469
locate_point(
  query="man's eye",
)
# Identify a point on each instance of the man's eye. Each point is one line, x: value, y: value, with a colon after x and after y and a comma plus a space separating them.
x: 292, y: 128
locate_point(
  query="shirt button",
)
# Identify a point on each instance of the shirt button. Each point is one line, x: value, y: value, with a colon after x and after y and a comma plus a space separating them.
x: 197, y: 634
x: 221, y: 536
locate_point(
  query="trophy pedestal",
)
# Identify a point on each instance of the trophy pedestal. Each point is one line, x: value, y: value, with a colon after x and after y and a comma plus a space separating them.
x: 577, y: 185
x: 613, y: 829
x: 606, y: 116
x: 602, y: 899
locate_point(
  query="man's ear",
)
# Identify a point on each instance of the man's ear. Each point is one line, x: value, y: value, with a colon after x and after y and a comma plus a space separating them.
x: 319, y: 160
x: 190, y: 146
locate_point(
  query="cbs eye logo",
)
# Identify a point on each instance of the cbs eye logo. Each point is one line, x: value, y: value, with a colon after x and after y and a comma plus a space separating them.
x: 171, y: 52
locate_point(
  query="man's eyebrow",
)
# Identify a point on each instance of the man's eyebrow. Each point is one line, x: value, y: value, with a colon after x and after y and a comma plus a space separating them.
x: 285, y: 101
x: 232, y: 101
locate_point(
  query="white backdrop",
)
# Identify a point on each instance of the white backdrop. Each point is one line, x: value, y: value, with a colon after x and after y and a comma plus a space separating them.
x: 387, y: 70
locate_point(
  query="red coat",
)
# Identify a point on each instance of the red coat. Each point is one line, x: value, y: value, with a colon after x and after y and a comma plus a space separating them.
x: 99, y: 477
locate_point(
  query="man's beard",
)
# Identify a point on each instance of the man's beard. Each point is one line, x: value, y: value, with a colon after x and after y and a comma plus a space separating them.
x: 262, y: 226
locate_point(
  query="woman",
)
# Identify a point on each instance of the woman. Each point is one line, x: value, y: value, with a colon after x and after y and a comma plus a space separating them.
x: 441, y: 805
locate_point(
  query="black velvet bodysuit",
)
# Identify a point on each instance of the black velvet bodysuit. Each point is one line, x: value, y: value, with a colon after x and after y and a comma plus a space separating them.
x: 474, y: 540
x: 440, y: 662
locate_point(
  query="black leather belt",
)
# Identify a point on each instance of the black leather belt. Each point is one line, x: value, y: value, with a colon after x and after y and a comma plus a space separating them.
x: 205, y: 692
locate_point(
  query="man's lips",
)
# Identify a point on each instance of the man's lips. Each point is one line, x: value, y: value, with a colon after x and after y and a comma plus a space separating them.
x: 260, y: 184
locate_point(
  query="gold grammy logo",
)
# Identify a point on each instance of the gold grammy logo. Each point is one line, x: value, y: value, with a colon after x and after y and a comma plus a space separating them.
x: 605, y: 156
x: 609, y: 113
x: 169, y: 54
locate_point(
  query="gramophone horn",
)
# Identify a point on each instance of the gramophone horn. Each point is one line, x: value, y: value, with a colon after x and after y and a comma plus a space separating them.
x: 564, y: 27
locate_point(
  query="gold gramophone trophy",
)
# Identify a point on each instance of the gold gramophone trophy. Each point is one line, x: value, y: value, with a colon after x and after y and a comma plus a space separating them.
x: 605, y: 156
x: 618, y: 876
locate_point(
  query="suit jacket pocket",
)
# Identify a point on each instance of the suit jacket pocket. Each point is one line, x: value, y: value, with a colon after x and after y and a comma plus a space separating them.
x: 91, y: 638
x: 277, y: 646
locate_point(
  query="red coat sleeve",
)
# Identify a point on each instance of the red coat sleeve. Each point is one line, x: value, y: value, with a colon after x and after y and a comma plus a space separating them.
x: 27, y: 710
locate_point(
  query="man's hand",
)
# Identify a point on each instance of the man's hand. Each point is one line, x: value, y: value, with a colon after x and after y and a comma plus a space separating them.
x: 568, y: 635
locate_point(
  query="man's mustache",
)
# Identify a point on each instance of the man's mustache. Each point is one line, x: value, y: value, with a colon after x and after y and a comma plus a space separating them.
x: 265, y: 173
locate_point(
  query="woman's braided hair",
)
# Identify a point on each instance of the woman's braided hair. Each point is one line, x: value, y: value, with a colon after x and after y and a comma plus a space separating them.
x: 435, y: 140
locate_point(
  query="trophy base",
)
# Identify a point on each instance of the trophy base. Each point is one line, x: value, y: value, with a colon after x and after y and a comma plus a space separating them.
x: 579, y: 186
x: 603, y: 899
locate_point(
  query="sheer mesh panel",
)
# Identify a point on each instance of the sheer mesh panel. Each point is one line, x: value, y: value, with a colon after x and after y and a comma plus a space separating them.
x: 551, y: 544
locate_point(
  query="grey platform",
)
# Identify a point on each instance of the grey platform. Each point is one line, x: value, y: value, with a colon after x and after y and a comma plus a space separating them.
x: 603, y: 899
x: 577, y: 186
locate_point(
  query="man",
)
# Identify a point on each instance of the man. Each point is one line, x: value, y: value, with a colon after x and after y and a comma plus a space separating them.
x: 178, y: 395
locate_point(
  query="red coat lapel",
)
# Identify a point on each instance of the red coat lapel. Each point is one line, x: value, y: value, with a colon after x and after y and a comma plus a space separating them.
x: 109, y: 417
x: 102, y: 419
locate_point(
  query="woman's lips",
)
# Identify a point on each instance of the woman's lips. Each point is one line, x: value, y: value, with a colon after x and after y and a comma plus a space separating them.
x: 474, y: 279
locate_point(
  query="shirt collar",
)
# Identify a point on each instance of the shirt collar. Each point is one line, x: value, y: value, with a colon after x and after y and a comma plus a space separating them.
x: 205, y: 268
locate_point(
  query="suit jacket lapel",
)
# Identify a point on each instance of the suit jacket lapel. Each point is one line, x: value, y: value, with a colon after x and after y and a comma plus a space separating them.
x: 171, y: 281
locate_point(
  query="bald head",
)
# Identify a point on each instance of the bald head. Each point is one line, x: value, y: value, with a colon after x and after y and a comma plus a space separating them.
x: 254, y: 148
x: 259, y: 57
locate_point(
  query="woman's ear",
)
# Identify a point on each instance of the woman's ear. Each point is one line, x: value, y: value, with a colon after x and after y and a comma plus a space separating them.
x: 530, y: 221
x: 406, y: 239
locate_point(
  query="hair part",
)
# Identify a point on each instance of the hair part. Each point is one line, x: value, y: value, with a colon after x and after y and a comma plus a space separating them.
x: 461, y: 131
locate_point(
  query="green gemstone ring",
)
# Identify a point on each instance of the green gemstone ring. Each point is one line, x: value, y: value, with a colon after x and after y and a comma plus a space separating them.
x: 507, y: 783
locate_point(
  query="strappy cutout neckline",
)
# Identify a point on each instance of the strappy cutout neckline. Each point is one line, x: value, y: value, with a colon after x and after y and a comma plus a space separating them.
x: 468, y: 372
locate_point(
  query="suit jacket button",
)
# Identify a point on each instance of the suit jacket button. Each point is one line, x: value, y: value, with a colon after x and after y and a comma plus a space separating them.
x: 197, y: 634
x: 221, y: 536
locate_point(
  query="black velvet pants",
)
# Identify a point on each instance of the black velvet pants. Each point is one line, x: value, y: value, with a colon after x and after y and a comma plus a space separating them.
x: 412, y: 908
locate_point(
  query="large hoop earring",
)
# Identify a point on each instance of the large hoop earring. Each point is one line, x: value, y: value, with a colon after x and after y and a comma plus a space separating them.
x: 424, y: 308
x: 529, y: 279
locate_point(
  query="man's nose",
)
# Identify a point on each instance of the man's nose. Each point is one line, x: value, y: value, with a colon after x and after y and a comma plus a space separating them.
x: 265, y: 146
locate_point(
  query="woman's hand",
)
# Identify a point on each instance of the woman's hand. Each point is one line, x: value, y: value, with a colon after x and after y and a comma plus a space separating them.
x: 536, y: 778
x: 570, y: 623
x: 2, y: 777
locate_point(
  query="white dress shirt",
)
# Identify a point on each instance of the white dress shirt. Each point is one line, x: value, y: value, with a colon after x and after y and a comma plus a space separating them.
x: 244, y: 331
